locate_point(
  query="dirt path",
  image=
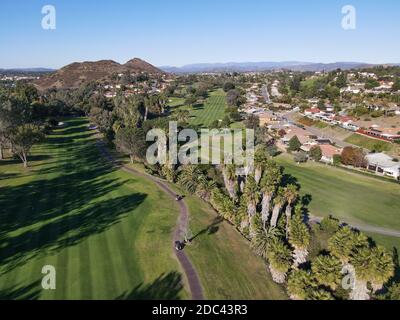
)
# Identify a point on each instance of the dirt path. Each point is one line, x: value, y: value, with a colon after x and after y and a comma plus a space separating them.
x: 183, y: 220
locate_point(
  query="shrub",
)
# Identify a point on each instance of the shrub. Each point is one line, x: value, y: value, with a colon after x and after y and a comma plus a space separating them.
x: 301, y: 157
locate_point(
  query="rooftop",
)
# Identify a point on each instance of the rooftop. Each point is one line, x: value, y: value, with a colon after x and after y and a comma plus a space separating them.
x: 381, y: 160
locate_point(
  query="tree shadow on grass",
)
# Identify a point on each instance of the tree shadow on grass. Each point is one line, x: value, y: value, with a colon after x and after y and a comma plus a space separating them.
x: 5, y: 176
x: 165, y: 287
x: 210, y: 229
x: 65, y: 231
x: 29, y: 292
x: 31, y: 159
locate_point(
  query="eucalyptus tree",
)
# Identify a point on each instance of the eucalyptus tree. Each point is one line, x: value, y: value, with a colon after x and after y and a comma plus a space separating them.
x: 182, y: 116
x: 132, y: 141
x: 23, y: 138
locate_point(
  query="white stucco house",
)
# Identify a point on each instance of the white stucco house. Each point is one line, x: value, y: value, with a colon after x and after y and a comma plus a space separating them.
x: 383, y: 164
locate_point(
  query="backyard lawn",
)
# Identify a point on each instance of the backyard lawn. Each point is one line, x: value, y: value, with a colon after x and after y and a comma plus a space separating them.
x: 352, y: 197
x: 369, y: 143
x: 96, y: 225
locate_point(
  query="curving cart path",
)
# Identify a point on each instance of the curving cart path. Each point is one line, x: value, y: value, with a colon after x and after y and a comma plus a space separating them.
x: 187, y: 266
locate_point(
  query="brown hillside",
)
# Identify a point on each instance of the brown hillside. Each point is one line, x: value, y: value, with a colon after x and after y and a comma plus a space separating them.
x: 76, y: 74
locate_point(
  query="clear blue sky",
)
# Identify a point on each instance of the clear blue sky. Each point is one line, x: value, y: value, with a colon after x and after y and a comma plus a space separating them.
x: 178, y: 32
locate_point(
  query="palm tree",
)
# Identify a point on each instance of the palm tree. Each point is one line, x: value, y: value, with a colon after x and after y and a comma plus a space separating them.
x: 299, y: 284
x: 361, y: 261
x: 382, y: 266
x: 260, y: 162
x: 346, y: 241
x: 279, y: 202
x: 223, y: 204
x: 252, y: 197
x: 259, y: 243
x: 205, y: 187
x: 374, y: 265
x: 230, y: 179
x: 168, y: 172
x: 291, y: 194
x: 261, y: 240
x: 279, y: 258
x: 271, y: 179
x: 320, y: 295
x: 188, y: 177
x: 327, y: 271
x: 299, y: 238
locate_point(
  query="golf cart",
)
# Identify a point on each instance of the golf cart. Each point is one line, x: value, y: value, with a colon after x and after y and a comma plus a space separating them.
x: 179, y: 246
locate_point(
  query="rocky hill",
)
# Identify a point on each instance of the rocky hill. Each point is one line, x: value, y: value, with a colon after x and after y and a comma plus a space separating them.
x: 78, y: 73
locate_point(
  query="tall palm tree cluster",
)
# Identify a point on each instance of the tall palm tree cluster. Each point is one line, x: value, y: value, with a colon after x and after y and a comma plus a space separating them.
x: 265, y: 208
x: 352, y: 268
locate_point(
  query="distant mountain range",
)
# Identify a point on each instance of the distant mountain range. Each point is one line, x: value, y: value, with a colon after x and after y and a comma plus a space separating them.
x: 78, y: 73
x: 263, y: 66
x: 26, y: 70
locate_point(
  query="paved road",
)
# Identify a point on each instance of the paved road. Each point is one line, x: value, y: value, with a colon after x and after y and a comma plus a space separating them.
x: 190, y: 272
x: 365, y: 228
x: 265, y: 93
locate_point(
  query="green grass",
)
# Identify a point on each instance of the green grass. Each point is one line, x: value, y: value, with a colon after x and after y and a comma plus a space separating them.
x: 351, y: 197
x: 213, y: 109
x: 203, y: 114
x: 226, y: 265
x: 98, y: 226
x: 368, y: 143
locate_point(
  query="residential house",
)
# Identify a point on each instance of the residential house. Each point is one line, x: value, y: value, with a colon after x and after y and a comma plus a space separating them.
x: 328, y: 152
x: 383, y: 164
x: 303, y: 135
x: 389, y: 134
x: 312, y: 111
x: 347, y: 122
